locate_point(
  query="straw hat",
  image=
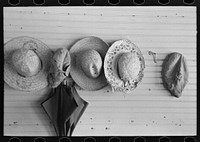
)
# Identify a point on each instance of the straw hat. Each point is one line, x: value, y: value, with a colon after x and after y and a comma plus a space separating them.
x: 124, y: 65
x: 26, y: 63
x: 87, y: 63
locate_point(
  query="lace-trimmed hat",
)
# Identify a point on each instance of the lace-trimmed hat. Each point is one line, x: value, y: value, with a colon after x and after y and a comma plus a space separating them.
x: 124, y: 65
x: 26, y: 63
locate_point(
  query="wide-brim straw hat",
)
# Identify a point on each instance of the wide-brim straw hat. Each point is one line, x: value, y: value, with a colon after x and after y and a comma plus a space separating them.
x: 11, y: 76
x: 76, y: 71
x: 110, y: 65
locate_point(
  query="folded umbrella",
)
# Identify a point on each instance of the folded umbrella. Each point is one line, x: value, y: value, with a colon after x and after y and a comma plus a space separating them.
x: 64, y: 107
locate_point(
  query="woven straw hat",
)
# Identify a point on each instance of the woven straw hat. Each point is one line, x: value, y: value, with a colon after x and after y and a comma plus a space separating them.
x: 41, y: 54
x: 124, y: 65
x: 87, y: 63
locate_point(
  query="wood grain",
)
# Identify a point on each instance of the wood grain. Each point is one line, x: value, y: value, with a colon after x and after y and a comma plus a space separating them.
x: 149, y: 109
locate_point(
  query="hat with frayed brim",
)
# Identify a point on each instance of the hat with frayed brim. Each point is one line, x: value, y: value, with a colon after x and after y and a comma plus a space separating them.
x: 111, y: 68
x: 13, y: 78
x: 77, y: 72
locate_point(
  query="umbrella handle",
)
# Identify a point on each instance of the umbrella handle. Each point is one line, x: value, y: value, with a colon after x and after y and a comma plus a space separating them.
x: 68, y: 81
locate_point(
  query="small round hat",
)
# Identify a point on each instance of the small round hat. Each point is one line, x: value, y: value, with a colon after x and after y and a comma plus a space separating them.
x: 12, y: 75
x: 88, y: 51
x: 124, y: 65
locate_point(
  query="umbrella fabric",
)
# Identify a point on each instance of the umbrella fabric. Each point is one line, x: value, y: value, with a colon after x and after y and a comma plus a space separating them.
x: 64, y: 107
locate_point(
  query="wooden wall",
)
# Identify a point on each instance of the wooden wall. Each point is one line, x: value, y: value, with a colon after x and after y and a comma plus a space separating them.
x: 149, y: 109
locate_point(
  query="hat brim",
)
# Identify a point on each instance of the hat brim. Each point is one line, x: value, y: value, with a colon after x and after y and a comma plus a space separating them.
x: 12, y: 78
x: 76, y: 71
x: 110, y: 65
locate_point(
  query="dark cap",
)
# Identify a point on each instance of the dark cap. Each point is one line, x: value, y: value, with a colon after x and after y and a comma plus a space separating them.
x: 175, y: 73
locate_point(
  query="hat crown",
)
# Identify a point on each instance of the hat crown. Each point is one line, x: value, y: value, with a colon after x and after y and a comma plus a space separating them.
x: 91, y: 63
x: 26, y: 62
x: 128, y: 66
